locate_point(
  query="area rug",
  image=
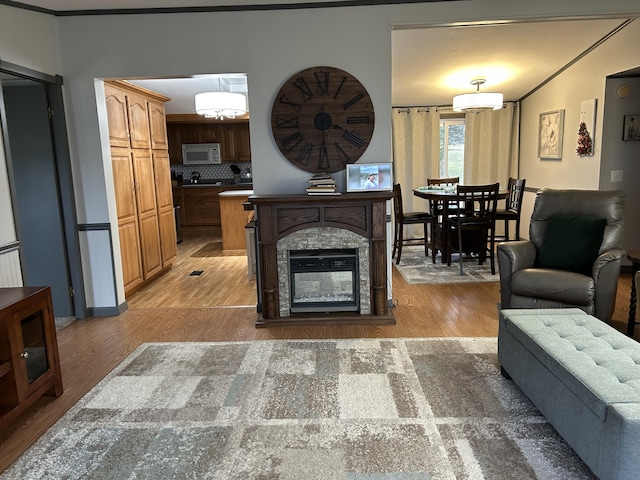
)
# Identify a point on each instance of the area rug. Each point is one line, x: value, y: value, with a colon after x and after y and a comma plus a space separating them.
x: 359, y: 409
x: 416, y: 268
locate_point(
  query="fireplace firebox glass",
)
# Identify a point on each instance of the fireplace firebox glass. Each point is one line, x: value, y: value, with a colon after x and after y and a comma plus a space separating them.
x: 324, y: 280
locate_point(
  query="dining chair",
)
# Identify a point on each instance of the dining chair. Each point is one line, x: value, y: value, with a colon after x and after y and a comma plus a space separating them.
x: 402, y: 218
x: 513, y: 207
x: 476, y: 218
x: 436, y: 206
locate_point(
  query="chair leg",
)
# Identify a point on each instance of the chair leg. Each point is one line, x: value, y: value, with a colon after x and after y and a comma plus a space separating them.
x: 492, y: 254
x: 400, y: 242
x: 395, y: 241
x: 506, y: 230
x: 517, y: 229
x: 426, y: 239
x: 460, y: 250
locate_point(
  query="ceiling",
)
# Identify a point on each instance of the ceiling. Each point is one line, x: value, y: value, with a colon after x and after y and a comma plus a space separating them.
x: 429, y: 65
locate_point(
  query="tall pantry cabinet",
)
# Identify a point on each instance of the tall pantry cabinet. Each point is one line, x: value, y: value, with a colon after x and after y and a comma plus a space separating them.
x: 142, y: 181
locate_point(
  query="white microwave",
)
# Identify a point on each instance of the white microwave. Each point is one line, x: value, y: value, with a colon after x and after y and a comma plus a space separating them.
x: 200, y: 153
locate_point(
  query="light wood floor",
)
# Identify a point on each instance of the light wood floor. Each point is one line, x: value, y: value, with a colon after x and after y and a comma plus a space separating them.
x: 219, y: 305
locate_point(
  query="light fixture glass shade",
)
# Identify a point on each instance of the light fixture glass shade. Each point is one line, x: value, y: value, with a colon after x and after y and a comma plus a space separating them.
x: 221, y: 104
x: 474, y: 102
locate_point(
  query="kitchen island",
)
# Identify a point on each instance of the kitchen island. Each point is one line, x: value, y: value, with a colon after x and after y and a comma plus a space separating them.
x: 199, y: 203
x: 233, y: 217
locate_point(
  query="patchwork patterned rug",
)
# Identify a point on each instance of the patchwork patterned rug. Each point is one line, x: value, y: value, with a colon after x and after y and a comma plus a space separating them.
x: 360, y: 409
x: 416, y: 268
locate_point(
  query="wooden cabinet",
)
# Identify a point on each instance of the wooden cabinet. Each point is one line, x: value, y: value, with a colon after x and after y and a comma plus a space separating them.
x: 243, y: 143
x: 233, y: 219
x: 164, y: 202
x: 157, y: 126
x: 174, y: 144
x: 233, y: 136
x: 200, y: 206
x: 142, y: 182
x: 29, y: 360
x: 235, y: 146
x: 138, y: 121
x: 126, y: 207
x: 118, y: 118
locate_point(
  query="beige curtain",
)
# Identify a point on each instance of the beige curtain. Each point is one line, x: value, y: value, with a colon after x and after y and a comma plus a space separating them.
x: 416, y: 152
x: 491, y: 145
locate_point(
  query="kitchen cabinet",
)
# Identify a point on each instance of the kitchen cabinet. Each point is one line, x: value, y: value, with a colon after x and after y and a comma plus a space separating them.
x: 233, y: 136
x: 164, y: 201
x: 142, y: 182
x: 236, y: 146
x: 29, y: 360
x: 117, y: 116
x: 127, y: 211
x: 157, y: 126
x: 147, y: 212
x: 233, y: 218
x: 200, y: 206
x: 174, y: 144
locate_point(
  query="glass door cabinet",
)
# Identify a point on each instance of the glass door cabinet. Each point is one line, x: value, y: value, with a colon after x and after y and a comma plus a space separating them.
x: 29, y: 361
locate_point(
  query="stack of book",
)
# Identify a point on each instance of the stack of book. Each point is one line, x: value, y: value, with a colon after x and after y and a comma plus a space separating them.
x: 322, y: 184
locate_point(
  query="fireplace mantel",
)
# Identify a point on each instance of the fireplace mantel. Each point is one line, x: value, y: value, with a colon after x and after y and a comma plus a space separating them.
x: 278, y: 216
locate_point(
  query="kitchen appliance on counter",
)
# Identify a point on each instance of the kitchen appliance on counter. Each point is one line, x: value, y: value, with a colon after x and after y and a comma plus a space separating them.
x: 201, y: 153
x: 195, y: 177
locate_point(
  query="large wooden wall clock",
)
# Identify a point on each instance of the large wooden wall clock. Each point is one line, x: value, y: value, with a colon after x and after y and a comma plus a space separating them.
x: 322, y: 119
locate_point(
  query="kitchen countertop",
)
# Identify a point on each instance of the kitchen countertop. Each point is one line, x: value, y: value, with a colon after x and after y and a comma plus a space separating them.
x: 236, y: 193
x: 215, y: 183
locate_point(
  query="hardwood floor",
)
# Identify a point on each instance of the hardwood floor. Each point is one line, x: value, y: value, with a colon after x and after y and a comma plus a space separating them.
x: 219, y: 305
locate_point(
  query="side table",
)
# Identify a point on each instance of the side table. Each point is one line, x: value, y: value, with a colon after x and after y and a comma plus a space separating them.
x: 634, y: 257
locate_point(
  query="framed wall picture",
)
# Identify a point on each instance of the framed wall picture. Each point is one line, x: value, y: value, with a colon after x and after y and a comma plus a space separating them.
x: 550, y: 132
x: 631, y: 127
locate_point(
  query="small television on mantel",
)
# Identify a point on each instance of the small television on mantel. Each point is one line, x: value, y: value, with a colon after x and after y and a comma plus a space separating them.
x: 363, y: 177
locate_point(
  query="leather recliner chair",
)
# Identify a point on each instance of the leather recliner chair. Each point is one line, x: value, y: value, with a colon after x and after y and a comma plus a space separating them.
x: 525, y: 284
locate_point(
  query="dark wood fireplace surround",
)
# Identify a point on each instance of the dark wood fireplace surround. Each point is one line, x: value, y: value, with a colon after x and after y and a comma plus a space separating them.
x: 278, y: 216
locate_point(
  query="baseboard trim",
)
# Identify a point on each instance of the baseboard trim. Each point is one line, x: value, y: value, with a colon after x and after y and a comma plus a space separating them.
x: 108, y: 311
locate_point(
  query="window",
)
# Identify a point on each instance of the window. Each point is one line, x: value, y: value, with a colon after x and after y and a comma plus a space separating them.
x: 452, y: 148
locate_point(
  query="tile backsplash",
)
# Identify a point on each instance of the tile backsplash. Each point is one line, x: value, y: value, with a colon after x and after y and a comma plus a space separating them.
x: 219, y: 171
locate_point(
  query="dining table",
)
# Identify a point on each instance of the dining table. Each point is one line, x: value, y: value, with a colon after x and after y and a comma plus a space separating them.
x: 444, y: 197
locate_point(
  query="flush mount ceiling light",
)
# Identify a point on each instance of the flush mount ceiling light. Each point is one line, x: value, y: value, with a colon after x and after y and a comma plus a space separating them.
x: 475, y: 102
x: 221, y: 104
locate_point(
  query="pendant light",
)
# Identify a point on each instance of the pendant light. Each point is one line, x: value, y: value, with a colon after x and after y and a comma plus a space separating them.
x: 221, y: 104
x: 475, y: 102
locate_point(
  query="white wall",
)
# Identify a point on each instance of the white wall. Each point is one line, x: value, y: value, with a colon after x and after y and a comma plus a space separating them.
x: 269, y: 46
x: 584, y: 80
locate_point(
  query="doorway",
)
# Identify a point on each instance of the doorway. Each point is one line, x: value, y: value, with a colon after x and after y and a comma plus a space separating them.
x: 203, y: 274
x: 39, y: 171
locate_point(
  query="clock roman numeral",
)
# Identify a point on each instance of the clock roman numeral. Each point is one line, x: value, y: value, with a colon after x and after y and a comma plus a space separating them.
x: 323, y: 158
x: 284, y: 99
x: 287, y: 122
x: 305, y: 154
x: 301, y: 84
x: 291, y: 141
x: 342, y: 154
x: 344, y: 79
x: 322, y: 81
x: 355, y: 99
x: 358, y: 120
x: 353, y: 139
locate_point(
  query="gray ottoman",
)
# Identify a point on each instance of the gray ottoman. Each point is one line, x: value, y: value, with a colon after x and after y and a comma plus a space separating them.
x: 584, y: 376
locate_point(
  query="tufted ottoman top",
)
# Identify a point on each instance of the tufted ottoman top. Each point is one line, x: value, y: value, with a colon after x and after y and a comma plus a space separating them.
x: 598, y: 363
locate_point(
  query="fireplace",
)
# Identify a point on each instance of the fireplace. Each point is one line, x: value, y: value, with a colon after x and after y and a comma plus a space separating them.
x: 353, y: 228
x: 324, y: 280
